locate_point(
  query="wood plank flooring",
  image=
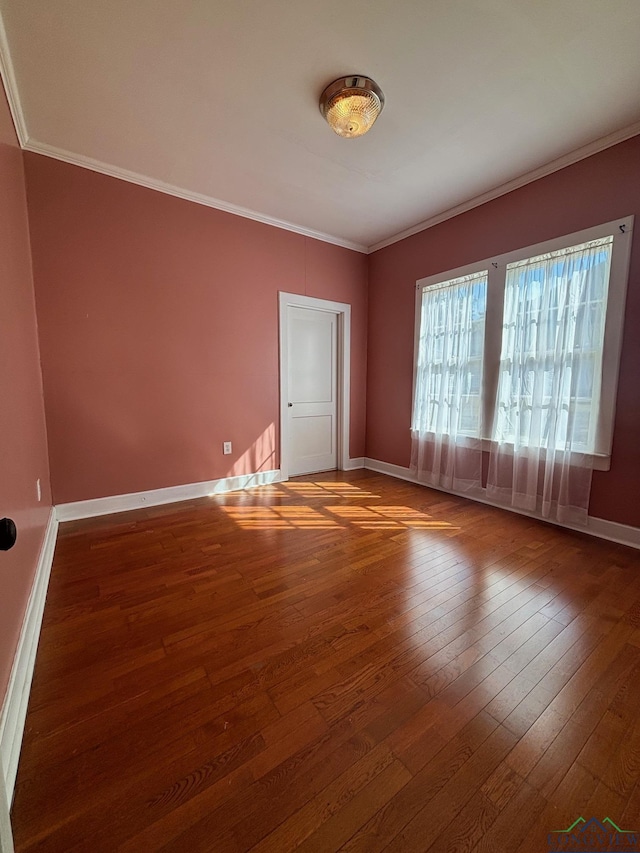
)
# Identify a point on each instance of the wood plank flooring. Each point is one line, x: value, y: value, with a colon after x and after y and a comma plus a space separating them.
x: 342, y: 662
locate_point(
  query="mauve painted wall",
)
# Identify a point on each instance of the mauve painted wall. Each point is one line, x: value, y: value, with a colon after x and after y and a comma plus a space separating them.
x: 598, y: 189
x: 23, y: 446
x: 158, y: 327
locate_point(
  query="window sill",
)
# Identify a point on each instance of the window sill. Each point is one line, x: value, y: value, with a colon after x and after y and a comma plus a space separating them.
x: 601, y: 461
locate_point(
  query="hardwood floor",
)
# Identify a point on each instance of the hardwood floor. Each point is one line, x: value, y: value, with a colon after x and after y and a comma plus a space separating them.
x: 341, y: 662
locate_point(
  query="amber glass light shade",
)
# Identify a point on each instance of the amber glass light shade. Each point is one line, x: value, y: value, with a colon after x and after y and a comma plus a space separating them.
x: 351, y: 105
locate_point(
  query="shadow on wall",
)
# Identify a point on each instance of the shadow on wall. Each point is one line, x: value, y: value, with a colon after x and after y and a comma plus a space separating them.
x: 261, y: 456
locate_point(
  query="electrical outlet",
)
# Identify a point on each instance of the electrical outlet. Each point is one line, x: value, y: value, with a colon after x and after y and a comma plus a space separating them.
x: 38, y: 489
x: 226, y: 448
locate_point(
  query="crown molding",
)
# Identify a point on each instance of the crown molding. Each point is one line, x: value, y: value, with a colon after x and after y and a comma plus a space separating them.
x: 208, y: 201
x: 528, y: 178
x: 8, y: 75
x: 187, y: 195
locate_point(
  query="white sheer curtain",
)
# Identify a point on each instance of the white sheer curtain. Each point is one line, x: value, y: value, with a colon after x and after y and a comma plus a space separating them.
x: 446, y: 430
x: 547, y: 404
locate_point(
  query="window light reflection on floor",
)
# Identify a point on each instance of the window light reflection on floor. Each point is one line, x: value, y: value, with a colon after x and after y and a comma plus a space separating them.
x: 332, y: 516
x: 322, y: 489
x: 301, y: 517
x: 388, y: 517
x: 307, y: 490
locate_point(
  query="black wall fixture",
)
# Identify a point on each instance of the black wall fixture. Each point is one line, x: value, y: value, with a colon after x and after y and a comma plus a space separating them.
x: 8, y: 534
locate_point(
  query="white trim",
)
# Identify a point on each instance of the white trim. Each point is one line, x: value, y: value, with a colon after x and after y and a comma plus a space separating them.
x: 209, y: 201
x: 601, y: 528
x: 564, y: 241
x: 343, y: 311
x: 397, y: 471
x: 623, y: 534
x: 187, y: 195
x: 158, y: 497
x: 8, y: 74
x: 496, y: 268
x: 354, y: 463
x: 14, y: 708
x: 6, y: 838
x: 529, y: 177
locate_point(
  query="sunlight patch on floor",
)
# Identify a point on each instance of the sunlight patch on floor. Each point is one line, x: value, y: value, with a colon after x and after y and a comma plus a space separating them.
x: 300, y: 517
x: 388, y: 517
x: 334, y: 516
x: 307, y: 490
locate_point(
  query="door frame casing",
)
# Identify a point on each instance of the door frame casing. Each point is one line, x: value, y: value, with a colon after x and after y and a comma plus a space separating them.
x: 343, y: 312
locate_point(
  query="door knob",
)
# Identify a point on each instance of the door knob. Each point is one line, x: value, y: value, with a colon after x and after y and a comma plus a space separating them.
x: 289, y: 404
x: 7, y: 534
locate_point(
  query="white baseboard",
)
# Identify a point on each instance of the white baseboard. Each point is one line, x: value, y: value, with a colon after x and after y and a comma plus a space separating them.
x: 354, y: 463
x: 14, y: 708
x: 397, y: 471
x: 6, y: 838
x: 157, y: 497
x: 623, y: 534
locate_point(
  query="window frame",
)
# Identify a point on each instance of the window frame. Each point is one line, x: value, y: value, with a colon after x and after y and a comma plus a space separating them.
x: 622, y: 232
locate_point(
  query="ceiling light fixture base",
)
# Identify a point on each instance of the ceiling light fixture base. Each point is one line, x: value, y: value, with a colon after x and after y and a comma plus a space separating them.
x: 351, y: 105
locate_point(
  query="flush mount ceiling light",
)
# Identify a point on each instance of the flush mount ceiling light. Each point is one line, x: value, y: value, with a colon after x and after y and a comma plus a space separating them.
x: 351, y: 105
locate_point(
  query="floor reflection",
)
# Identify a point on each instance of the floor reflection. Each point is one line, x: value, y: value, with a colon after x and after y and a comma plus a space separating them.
x: 330, y: 514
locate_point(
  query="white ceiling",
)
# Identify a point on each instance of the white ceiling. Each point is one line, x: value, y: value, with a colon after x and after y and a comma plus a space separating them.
x: 219, y: 100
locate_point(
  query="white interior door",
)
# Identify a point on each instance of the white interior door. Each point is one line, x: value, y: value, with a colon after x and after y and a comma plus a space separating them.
x: 312, y: 407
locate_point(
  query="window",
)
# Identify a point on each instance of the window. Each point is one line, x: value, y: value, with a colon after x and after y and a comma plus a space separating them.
x: 523, y: 349
x: 450, y: 356
x: 552, y: 343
